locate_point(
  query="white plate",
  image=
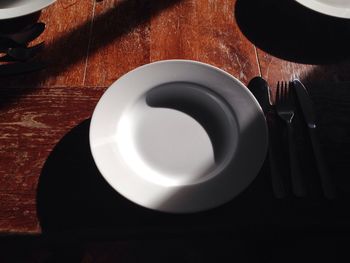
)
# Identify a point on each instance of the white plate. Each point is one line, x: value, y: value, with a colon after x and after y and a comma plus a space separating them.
x: 337, y: 8
x: 178, y: 136
x: 16, y: 8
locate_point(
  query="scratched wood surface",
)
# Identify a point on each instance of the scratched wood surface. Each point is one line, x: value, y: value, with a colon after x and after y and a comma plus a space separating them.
x: 90, y: 44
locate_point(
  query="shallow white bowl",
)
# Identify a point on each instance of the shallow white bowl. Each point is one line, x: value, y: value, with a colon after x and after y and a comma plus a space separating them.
x: 17, y: 8
x: 178, y: 136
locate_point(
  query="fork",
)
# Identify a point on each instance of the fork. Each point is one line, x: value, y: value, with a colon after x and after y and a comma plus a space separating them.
x: 285, y: 108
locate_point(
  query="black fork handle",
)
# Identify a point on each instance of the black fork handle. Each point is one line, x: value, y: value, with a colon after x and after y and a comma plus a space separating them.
x: 298, y: 184
x: 278, y: 184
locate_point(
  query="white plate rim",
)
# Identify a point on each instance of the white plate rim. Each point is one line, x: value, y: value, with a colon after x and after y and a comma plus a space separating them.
x: 326, y: 9
x: 26, y: 9
x: 195, y: 205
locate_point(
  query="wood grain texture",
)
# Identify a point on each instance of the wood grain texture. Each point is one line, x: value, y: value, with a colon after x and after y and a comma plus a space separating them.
x: 67, y: 35
x: 204, y: 31
x: 30, y: 126
x: 119, y: 41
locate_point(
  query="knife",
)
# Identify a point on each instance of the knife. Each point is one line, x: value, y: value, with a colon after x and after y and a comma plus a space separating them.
x: 310, y: 118
x: 259, y: 87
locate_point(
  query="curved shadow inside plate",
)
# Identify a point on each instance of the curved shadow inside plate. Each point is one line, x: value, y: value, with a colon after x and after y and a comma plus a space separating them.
x: 293, y: 32
x: 206, y: 107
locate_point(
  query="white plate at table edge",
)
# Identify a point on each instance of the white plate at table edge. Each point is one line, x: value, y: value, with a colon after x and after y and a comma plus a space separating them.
x: 25, y: 9
x: 335, y: 11
x: 237, y: 176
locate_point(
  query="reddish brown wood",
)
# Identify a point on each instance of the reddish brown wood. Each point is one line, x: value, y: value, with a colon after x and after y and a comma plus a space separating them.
x: 205, y: 31
x: 119, y: 40
x: 31, y: 123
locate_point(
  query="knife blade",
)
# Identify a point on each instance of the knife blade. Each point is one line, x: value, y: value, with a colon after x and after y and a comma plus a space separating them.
x: 308, y: 111
x: 260, y: 89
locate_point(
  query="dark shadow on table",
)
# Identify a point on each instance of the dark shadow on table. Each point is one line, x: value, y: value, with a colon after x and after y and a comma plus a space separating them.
x: 73, y: 196
x: 68, y: 50
x: 290, y: 31
x: 16, y: 25
x: 74, y: 200
x: 258, y: 250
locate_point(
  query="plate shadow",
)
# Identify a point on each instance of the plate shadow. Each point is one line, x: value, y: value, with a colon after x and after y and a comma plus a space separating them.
x: 74, y: 199
x: 293, y: 32
x: 72, y: 196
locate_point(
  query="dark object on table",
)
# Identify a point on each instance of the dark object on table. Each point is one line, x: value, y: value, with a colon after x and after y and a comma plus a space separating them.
x: 310, y: 119
x: 259, y: 87
x: 21, y: 53
x: 22, y: 37
x: 14, y: 46
x: 286, y: 110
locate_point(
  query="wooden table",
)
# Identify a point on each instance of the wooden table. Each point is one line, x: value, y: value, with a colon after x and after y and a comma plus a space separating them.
x: 91, y: 44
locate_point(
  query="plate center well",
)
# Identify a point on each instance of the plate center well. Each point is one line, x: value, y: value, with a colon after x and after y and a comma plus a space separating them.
x: 165, y: 146
x: 177, y: 134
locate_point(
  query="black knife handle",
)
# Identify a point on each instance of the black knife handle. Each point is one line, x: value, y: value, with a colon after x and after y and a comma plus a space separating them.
x: 326, y: 182
x: 298, y: 184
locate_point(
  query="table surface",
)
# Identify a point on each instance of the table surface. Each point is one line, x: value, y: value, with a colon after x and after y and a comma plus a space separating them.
x: 90, y: 44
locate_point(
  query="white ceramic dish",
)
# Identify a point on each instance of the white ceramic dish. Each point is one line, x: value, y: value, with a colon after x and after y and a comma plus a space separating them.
x: 178, y: 136
x: 337, y: 8
x: 16, y: 8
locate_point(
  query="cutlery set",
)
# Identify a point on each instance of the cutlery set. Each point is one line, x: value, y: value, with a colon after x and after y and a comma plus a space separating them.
x: 15, y: 54
x: 290, y: 96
